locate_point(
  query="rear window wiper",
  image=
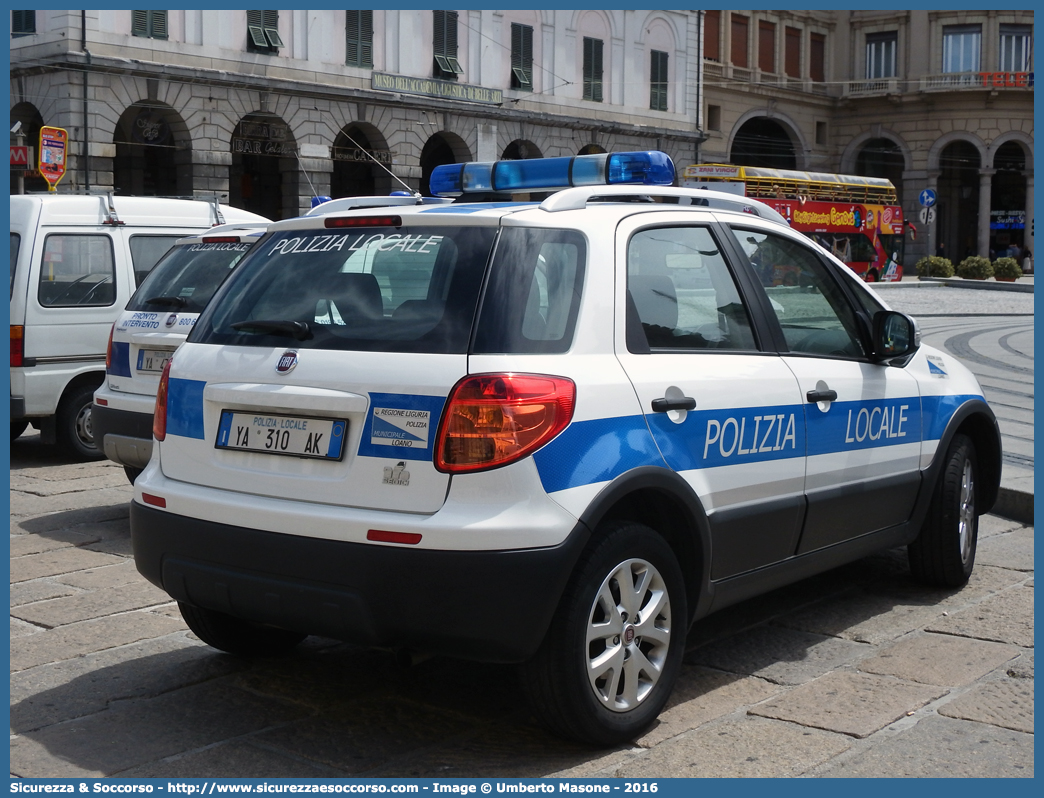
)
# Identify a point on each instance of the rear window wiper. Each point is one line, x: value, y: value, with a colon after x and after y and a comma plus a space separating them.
x: 168, y: 301
x: 295, y: 329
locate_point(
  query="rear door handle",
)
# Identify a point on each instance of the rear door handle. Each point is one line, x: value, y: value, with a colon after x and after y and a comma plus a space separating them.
x: 682, y: 403
x: 821, y: 396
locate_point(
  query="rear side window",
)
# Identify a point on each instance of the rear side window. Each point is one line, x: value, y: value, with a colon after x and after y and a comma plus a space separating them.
x: 15, y: 241
x: 531, y: 302
x: 404, y: 289
x: 77, y: 271
x: 187, y: 276
x: 146, y: 252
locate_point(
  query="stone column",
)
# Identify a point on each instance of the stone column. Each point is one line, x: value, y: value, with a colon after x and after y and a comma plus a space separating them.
x: 1027, y: 237
x: 985, y: 184
x: 210, y: 170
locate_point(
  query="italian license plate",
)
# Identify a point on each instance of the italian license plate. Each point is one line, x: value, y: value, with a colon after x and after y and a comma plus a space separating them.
x: 298, y: 436
x: 153, y: 359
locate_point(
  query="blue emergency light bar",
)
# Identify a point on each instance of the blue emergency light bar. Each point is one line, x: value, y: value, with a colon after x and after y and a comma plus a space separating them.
x: 651, y: 168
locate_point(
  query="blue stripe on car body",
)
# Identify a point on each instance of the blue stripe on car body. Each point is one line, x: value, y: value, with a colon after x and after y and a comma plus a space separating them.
x: 185, y: 407
x: 119, y: 361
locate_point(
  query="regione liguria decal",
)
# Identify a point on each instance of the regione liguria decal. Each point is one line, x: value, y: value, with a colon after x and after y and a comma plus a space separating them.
x: 401, y: 427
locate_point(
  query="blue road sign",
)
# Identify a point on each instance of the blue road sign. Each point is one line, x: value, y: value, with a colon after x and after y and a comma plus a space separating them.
x: 927, y: 197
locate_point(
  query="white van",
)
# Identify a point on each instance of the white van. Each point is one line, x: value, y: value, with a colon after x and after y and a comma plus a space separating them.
x: 75, y: 261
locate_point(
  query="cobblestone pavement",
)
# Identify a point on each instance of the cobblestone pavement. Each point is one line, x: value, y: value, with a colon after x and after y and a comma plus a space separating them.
x: 858, y: 672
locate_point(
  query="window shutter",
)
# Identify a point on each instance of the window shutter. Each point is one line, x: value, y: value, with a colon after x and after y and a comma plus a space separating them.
x: 159, y: 25
x: 271, y: 25
x: 658, y: 81
x: 712, y: 35
x: 366, y: 39
x: 596, y: 85
x: 439, y: 43
x: 139, y: 23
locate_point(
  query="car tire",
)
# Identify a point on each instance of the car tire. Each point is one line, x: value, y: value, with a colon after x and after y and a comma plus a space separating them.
x: 132, y: 473
x: 74, y: 424
x: 943, y: 555
x: 17, y: 428
x: 237, y: 636
x: 574, y: 682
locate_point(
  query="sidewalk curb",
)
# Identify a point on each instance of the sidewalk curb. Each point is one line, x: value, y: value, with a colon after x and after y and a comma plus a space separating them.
x: 981, y: 285
x: 1015, y: 505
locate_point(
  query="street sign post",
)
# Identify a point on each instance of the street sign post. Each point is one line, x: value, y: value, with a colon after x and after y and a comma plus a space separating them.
x: 927, y: 197
x: 53, y: 145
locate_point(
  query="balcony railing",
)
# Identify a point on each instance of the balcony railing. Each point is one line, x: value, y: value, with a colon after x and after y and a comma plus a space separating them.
x: 951, y: 80
x: 867, y: 88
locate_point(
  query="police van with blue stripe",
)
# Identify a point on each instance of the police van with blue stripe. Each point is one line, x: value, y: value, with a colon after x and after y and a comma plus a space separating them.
x: 551, y: 430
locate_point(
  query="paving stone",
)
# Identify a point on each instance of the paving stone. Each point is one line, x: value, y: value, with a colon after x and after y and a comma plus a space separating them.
x: 22, y: 545
x: 37, y: 487
x: 371, y: 733
x: 127, y: 735
x: 38, y: 590
x: 939, y: 659
x: 23, y: 629
x: 59, y: 561
x: 1013, y: 550
x: 92, y: 604
x: 1007, y: 703
x: 703, y: 695
x: 1022, y: 668
x: 27, y: 504
x: 74, y: 640
x: 751, y: 747
x: 81, y: 686
x: 990, y: 525
x: 940, y: 747
x: 237, y: 759
x: 90, y: 520
x: 121, y: 547
x: 108, y: 576
x: 984, y: 580
x: 1005, y: 617
x: 855, y: 704
x: 861, y: 617
x: 784, y: 656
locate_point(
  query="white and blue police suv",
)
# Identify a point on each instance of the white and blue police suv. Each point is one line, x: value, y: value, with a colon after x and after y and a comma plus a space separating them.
x: 551, y: 432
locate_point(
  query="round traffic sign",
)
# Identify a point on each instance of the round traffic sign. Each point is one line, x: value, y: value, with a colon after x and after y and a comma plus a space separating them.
x: 927, y: 197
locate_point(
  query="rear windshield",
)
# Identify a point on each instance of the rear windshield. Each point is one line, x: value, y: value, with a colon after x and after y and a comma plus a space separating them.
x: 187, y: 277
x: 402, y: 289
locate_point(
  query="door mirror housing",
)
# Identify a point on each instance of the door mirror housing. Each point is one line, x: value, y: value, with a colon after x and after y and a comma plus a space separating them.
x: 895, y: 335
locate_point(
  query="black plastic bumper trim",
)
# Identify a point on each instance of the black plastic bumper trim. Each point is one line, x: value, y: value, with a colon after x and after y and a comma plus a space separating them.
x: 110, y: 421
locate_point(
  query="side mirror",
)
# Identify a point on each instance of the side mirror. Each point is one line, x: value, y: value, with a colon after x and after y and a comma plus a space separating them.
x: 895, y: 335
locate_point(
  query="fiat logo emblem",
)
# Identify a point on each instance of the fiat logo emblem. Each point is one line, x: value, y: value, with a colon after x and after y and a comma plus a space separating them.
x: 172, y: 319
x: 287, y: 361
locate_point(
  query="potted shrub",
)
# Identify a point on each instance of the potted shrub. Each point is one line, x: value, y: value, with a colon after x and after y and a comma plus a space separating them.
x: 975, y: 267
x: 934, y: 266
x: 1006, y: 270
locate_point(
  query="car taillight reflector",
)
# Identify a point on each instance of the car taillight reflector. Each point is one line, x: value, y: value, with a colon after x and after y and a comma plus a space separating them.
x: 108, y: 349
x: 17, y: 345
x: 491, y: 420
x: 156, y: 501
x: 364, y: 221
x: 159, y: 417
x: 409, y: 538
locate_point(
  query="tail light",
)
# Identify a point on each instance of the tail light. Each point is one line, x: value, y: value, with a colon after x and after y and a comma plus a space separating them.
x: 495, y: 419
x: 159, y: 417
x: 108, y: 349
x: 17, y: 345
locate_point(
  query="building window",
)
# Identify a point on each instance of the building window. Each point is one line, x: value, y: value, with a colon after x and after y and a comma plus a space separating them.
x: 713, y: 117
x: 1015, y: 48
x: 961, y: 46
x: 521, y: 57
x: 821, y: 133
x: 447, y: 67
x: 23, y: 23
x: 263, y: 32
x: 792, y: 52
x: 712, y: 35
x: 593, y: 69
x: 358, y: 31
x: 767, y: 46
x: 817, y: 57
x: 880, y: 55
x: 658, y: 81
x: 149, y: 24
x: 738, y: 56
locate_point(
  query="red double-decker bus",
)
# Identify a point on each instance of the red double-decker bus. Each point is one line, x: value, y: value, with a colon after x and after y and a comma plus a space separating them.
x: 856, y: 218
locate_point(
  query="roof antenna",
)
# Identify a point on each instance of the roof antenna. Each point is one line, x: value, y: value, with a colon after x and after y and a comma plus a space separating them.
x: 367, y: 153
x: 314, y: 193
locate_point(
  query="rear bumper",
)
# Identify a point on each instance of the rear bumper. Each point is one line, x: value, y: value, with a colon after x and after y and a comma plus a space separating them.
x: 487, y: 605
x: 124, y: 436
x: 17, y: 408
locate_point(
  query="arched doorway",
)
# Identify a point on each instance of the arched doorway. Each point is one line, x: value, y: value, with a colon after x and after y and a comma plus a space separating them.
x: 442, y: 148
x: 520, y: 149
x: 763, y: 142
x: 1008, y: 198
x: 957, y: 208
x: 591, y: 149
x: 882, y: 158
x: 28, y: 135
x: 354, y: 172
x: 263, y: 152
x: 152, y: 153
